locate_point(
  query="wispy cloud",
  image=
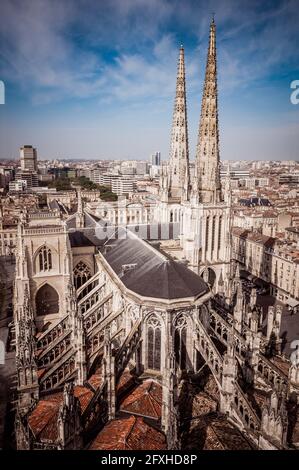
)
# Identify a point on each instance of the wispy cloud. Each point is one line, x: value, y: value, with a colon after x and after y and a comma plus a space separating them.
x: 123, y: 53
x: 123, y: 49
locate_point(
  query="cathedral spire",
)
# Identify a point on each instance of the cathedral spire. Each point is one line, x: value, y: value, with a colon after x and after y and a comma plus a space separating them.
x: 179, y: 151
x: 207, y: 153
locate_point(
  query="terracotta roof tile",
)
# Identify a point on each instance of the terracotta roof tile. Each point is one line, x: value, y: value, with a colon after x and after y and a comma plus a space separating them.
x: 145, y: 400
x: 126, y: 381
x: 84, y: 395
x: 130, y: 433
x: 43, y: 419
x: 214, y: 432
x: 96, y: 380
x: 40, y: 373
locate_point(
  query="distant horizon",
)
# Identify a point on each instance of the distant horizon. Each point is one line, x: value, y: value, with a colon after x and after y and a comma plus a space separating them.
x: 91, y: 87
x: 144, y: 160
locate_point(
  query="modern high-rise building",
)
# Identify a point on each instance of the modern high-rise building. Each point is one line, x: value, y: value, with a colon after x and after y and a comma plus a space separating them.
x: 123, y: 185
x: 29, y: 176
x: 155, y: 158
x: 28, y: 158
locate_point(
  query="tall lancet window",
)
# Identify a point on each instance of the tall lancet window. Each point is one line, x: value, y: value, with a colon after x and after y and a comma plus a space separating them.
x: 219, y: 232
x: 82, y: 274
x: 180, y: 342
x: 45, y: 259
x: 207, y: 232
x: 154, y: 344
x: 213, y: 232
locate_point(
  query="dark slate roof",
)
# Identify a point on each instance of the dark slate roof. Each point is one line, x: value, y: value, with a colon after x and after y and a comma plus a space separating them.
x: 85, y: 237
x: 71, y: 222
x: 91, y: 220
x: 255, y: 201
x: 53, y: 204
x: 142, y: 268
x: 150, y: 273
x: 78, y: 238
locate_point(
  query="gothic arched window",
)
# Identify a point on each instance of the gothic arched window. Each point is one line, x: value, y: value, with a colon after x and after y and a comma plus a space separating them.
x: 213, y: 232
x: 219, y: 232
x: 154, y: 344
x: 207, y: 232
x: 180, y: 342
x: 81, y: 274
x: 47, y: 300
x: 44, y: 259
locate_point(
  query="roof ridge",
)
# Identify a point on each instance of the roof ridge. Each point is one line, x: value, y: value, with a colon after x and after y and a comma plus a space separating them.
x: 148, y: 245
x: 153, y: 396
x: 181, y: 265
x: 127, y: 435
x: 217, y: 435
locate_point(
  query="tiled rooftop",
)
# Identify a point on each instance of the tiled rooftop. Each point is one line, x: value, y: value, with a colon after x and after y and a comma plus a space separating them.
x: 131, y: 433
x: 43, y: 419
x: 145, y: 400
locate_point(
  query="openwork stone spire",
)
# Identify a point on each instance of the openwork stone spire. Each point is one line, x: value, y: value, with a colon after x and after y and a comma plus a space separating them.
x: 207, y: 154
x: 179, y: 151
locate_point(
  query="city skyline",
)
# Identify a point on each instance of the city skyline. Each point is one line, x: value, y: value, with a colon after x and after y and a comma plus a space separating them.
x: 89, y: 81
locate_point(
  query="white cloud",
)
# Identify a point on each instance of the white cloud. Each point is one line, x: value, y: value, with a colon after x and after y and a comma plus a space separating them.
x: 56, y: 51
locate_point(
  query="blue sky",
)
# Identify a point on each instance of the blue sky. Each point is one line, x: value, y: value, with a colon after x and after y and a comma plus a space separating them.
x: 96, y: 78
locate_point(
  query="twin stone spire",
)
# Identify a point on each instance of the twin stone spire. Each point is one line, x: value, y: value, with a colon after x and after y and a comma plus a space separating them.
x: 179, y: 149
x: 206, y: 185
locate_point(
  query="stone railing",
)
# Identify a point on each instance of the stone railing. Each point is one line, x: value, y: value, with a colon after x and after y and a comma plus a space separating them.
x: 53, y: 332
x: 244, y: 410
x: 59, y: 373
x: 43, y: 231
x: 271, y: 374
x: 93, y: 279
